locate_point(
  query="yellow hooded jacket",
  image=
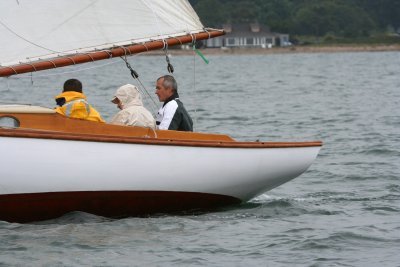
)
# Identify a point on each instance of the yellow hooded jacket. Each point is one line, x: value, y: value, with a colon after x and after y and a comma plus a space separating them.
x: 77, y: 107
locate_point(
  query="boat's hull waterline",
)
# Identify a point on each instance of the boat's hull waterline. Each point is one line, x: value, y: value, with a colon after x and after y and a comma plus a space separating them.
x: 44, y: 177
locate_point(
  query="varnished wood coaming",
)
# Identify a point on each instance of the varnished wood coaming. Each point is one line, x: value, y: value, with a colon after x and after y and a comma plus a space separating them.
x: 55, y: 126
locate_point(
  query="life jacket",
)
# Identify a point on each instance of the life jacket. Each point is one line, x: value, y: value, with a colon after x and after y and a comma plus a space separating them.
x: 77, y: 107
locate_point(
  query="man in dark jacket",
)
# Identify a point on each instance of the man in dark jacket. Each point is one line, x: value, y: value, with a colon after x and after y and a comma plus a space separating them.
x: 172, y: 115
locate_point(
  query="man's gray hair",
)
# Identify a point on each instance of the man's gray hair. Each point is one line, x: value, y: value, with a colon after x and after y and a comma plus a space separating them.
x: 169, y: 82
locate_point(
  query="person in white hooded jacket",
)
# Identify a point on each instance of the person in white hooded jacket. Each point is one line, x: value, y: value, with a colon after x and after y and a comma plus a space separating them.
x: 133, y: 113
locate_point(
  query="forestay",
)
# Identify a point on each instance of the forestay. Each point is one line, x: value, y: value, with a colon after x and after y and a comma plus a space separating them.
x: 38, y: 29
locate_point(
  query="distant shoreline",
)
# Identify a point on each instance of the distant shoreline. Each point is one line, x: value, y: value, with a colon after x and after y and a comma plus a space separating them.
x: 285, y: 50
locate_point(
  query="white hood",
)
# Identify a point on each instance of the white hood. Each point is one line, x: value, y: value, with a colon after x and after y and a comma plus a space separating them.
x: 129, y: 95
x: 133, y: 112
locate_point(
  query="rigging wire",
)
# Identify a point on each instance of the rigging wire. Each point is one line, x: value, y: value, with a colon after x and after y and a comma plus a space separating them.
x: 194, y: 88
x: 142, y: 88
x: 194, y: 80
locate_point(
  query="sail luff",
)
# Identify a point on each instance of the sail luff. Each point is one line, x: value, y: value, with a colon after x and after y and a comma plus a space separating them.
x: 75, y: 59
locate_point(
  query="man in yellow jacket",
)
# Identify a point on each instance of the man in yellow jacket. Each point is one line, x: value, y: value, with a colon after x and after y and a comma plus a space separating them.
x: 72, y: 103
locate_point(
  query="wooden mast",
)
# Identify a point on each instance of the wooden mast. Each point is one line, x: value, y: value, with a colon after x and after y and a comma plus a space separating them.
x: 74, y: 59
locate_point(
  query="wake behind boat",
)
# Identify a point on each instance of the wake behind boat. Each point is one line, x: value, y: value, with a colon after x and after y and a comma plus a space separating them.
x: 51, y: 164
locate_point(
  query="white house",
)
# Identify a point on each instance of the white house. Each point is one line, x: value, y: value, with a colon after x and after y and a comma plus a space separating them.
x: 248, y: 35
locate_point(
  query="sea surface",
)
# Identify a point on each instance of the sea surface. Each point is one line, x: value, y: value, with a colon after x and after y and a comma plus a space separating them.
x: 344, y: 211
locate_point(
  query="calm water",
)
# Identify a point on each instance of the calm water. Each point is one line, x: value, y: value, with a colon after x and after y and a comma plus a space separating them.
x: 344, y: 211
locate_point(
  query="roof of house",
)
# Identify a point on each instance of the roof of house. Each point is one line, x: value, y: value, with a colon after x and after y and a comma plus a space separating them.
x: 246, y: 29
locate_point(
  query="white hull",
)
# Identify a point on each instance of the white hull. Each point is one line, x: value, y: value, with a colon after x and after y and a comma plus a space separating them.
x: 30, y: 165
x: 51, y: 164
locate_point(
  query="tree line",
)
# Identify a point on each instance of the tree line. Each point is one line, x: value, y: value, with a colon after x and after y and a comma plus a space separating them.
x: 340, y: 18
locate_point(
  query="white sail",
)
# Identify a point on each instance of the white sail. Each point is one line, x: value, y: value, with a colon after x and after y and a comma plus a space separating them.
x: 38, y: 29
